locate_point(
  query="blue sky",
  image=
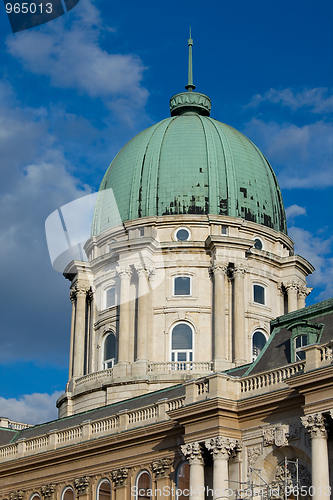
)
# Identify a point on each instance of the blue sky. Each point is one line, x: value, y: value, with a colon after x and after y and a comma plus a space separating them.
x: 74, y: 91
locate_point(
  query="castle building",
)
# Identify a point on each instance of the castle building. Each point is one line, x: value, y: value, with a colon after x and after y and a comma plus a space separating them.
x: 195, y: 367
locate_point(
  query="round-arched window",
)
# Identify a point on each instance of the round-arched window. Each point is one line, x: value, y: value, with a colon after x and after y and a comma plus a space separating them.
x: 104, y: 490
x: 35, y: 496
x: 68, y: 494
x: 110, y: 349
x: 143, y: 483
x: 183, y: 481
x: 182, y: 234
x: 182, y: 343
x: 258, y: 342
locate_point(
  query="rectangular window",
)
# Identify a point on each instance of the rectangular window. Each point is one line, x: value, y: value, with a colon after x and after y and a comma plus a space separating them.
x: 182, y: 285
x: 224, y: 229
x: 259, y: 294
x: 111, y: 297
x: 141, y: 232
x: 300, y: 341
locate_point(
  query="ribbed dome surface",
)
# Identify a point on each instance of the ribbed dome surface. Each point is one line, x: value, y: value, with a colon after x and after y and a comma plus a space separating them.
x: 190, y: 164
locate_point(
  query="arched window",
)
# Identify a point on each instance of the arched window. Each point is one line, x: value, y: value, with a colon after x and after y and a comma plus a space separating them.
x: 182, y: 343
x: 183, y: 481
x: 110, y: 297
x: 258, y: 342
x: 104, y: 490
x: 182, y: 285
x: 68, y: 494
x: 110, y: 349
x: 143, y: 486
x: 35, y: 496
x: 259, y: 294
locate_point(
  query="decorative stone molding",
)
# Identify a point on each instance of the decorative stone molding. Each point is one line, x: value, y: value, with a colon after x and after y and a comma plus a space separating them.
x: 16, y: 495
x: 140, y: 269
x: 72, y: 295
x: 161, y: 467
x: 293, y: 432
x: 48, y: 491
x: 240, y: 269
x: 81, y: 289
x: 277, y: 436
x: 90, y: 293
x: 193, y: 453
x: 281, y: 288
x: 82, y: 485
x: 315, y: 425
x: 223, y: 447
x: 253, y: 452
x: 303, y: 291
x: 217, y: 266
x: 124, y: 272
x: 119, y: 477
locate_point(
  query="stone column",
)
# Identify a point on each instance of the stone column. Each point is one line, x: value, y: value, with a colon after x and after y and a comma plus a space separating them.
x: 315, y: 424
x: 81, y: 486
x: 150, y: 306
x: 292, y: 290
x: 142, y: 333
x: 280, y: 308
x: 193, y: 454
x: 239, y: 318
x: 303, y: 292
x: 72, y: 296
x: 124, y: 315
x: 221, y: 449
x: 219, y: 270
x: 80, y: 330
x: 91, y: 336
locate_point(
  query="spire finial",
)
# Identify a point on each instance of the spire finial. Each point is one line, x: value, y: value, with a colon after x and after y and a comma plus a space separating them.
x: 190, y: 87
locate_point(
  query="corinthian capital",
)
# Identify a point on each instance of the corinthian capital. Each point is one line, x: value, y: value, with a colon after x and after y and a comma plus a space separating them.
x: 315, y: 425
x: 81, y: 289
x: 223, y: 447
x: 82, y: 485
x: 124, y: 272
x: 48, y: 491
x: 218, y: 266
x: 193, y: 453
x: 72, y: 295
x: 161, y: 467
x: 140, y: 269
x: 16, y: 495
x: 240, y: 269
x: 119, y: 476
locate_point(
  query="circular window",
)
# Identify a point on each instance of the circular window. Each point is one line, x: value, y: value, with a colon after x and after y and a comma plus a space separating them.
x: 182, y: 234
x: 257, y: 244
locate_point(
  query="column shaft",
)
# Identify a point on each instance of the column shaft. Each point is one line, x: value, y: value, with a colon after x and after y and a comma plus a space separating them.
x: 142, y: 337
x: 220, y: 475
x: 320, y: 472
x: 71, y: 346
x: 80, y: 330
x: 220, y: 352
x: 239, y: 317
x: 292, y: 298
x: 197, y: 481
x: 124, y: 314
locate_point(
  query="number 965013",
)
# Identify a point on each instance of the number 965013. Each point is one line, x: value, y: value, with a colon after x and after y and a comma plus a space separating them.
x: 24, y: 8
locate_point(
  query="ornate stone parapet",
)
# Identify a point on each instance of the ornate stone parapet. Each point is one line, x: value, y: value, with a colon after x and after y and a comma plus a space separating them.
x: 161, y: 467
x: 119, y: 477
x: 221, y: 447
x: 193, y: 453
x: 315, y: 425
x: 82, y: 485
x: 48, y: 491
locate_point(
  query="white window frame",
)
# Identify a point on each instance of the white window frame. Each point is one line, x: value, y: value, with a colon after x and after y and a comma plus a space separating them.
x: 104, y: 480
x: 261, y: 241
x: 143, y: 471
x: 300, y: 349
x: 266, y: 337
x: 104, y: 362
x: 66, y: 489
x: 188, y: 352
x: 35, y: 495
x: 265, y: 293
x: 105, y: 291
x: 178, y: 229
x: 174, y: 284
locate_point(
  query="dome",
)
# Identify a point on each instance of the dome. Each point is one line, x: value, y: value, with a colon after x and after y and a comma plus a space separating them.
x: 190, y: 164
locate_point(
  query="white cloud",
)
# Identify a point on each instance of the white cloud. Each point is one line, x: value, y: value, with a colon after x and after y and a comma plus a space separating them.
x: 316, y: 100
x: 73, y: 59
x: 30, y: 408
x: 294, y: 211
x: 301, y: 155
x: 317, y: 251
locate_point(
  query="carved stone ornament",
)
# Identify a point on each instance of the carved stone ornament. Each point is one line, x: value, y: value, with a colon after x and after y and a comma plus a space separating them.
x: 293, y: 431
x: 280, y: 480
x: 217, y: 266
x: 124, y: 272
x: 161, y: 467
x: 223, y: 447
x: 72, y: 295
x: 91, y: 292
x: 253, y: 452
x: 81, y: 289
x: 240, y: 269
x: 315, y: 425
x: 48, y: 491
x: 277, y: 436
x: 16, y: 495
x: 81, y: 485
x: 119, y: 477
x: 193, y: 453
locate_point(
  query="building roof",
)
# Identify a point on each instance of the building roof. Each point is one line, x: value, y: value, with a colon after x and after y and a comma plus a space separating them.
x: 189, y: 164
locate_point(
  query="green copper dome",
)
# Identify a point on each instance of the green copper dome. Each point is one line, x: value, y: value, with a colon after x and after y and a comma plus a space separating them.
x: 190, y: 164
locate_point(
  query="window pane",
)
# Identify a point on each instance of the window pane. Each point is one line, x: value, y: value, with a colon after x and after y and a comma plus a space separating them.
x: 69, y: 495
x: 182, y: 285
x: 111, y: 297
x: 182, y: 235
x: 257, y: 244
x: 104, y: 492
x: 144, y: 485
x: 110, y: 347
x: 183, y: 480
x: 182, y: 337
x: 258, y: 342
x: 259, y: 294
x: 300, y: 355
x: 182, y: 356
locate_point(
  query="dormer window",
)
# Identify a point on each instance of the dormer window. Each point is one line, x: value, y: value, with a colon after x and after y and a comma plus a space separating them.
x: 300, y: 342
x: 258, y: 342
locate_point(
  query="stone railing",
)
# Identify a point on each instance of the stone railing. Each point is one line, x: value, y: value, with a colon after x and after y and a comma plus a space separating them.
x: 143, y: 414
x: 9, y: 424
x: 92, y: 377
x: 266, y: 380
x: 171, y: 366
x: 326, y: 353
x: 175, y: 404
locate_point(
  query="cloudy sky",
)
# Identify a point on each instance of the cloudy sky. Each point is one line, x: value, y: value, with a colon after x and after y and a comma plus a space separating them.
x: 74, y: 91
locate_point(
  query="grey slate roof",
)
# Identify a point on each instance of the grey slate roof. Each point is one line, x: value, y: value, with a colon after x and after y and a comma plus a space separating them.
x: 6, y: 435
x: 99, y: 413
